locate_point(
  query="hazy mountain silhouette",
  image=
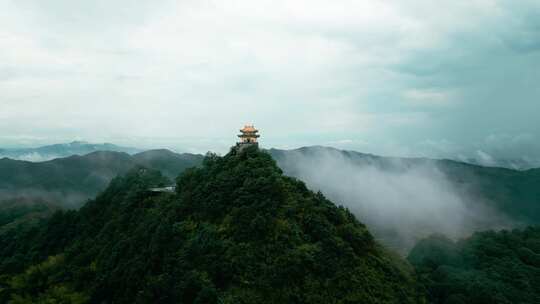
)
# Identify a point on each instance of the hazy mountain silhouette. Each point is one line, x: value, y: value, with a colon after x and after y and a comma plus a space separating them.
x: 62, y: 150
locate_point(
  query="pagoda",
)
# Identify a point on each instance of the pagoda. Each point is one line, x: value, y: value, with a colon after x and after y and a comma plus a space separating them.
x: 248, y: 136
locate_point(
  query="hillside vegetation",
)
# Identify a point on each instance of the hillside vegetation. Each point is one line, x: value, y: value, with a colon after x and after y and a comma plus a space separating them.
x: 19, y: 213
x: 489, y: 267
x: 236, y: 231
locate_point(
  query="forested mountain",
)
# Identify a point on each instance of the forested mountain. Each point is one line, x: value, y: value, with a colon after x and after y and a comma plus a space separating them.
x: 236, y: 231
x: 62, y: 150
x: 401, y: 199
x: 72, y: 180
x: 489, y: 267
x: 77, y: 178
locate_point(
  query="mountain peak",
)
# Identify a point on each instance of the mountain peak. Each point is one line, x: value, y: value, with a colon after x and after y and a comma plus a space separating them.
x: 236, y: 231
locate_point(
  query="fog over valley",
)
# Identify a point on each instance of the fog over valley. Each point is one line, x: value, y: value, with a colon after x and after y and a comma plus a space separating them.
x: 401, y: 200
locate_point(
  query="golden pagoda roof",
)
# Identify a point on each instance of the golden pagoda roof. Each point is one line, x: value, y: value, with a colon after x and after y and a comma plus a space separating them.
x: 249, y: 128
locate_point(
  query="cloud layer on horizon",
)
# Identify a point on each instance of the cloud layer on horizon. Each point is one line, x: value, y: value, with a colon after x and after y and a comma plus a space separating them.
x: 407, y: 78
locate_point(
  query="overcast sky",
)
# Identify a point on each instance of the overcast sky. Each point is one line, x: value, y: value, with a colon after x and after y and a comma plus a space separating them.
x: 404, y: 78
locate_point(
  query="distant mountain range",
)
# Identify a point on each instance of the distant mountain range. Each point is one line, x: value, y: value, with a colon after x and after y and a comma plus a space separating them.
x: 72, y: 180
x: 50, y: 152
x: 516, y: 164
x: 46, y: 153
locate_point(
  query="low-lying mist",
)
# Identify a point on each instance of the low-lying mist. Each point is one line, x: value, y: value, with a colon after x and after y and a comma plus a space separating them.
x: 63, y: 199
x: 32, y: 156
x: 400, y: 200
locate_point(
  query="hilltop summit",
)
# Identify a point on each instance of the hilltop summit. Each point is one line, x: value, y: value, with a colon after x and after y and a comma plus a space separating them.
x: 236, y: 231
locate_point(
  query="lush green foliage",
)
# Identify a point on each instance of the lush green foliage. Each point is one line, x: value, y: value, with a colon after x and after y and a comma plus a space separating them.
x: 236, y: 231
x: 19, y: 218
x: 489, y: 267
x: 14, y: 212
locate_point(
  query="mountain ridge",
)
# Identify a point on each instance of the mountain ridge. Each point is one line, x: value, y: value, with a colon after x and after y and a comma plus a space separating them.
x: 72, y: 180
x: 236, y: 231
x: 484, y: 197
x: 419, y: 158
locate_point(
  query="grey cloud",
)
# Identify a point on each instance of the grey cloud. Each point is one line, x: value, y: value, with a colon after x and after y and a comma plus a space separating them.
x: 130, y: 72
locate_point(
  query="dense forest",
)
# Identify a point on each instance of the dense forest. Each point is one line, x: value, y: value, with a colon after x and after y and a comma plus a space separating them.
x: 19, y: 212
x: 236, y: 231
x: 489, y: 267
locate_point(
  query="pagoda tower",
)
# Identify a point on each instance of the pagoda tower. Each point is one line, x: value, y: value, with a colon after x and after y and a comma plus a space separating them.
x: 248, y: 136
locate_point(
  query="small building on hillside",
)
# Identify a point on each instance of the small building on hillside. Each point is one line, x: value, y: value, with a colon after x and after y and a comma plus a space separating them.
x: 168, y: 189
